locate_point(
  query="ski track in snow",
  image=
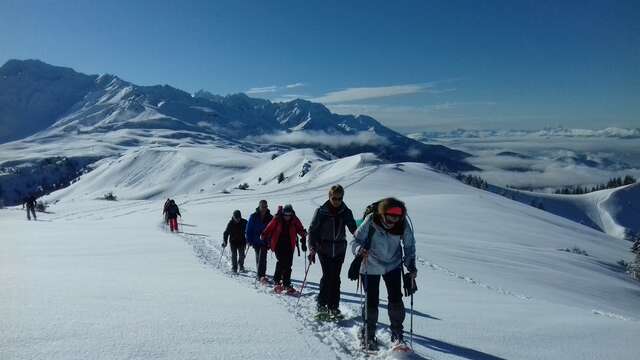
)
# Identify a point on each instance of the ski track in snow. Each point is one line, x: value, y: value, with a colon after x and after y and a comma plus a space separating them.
x: 341, y: 337
x: 436, y: 267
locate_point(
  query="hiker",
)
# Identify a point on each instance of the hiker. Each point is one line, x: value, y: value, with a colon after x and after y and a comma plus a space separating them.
x: 257, y: 223
x: 327, y: 238
x: 235, y: 235
x: 281, y: 235
x: 172, y: 214
x: 30, y: 204
x: 164, y: 211
x: 382, y: 256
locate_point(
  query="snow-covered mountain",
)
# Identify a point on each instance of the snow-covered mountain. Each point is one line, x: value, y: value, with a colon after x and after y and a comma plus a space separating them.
x: 98, y: 279
x: 91, y: 104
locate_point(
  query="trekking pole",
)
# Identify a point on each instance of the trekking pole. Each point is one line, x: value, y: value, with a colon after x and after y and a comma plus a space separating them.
x: 366, y: 305
x: 221, y: 255
x: 411, y: 321
x: 304, y: 282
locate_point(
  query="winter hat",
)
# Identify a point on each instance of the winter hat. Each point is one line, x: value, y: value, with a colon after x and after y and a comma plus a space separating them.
x: 287, y: 210
x: 236, y: 214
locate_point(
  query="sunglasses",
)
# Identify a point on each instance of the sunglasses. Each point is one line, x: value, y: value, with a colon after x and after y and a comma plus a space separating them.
x: 336, y: 198
x: 287, y: 215
x: 392, y: 218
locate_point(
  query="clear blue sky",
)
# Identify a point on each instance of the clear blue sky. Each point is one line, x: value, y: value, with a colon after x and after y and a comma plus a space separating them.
x: 412, y: 64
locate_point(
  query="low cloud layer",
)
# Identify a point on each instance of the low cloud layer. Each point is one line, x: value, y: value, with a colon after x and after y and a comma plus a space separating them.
x: 320, y: 137
x: 551, y: 163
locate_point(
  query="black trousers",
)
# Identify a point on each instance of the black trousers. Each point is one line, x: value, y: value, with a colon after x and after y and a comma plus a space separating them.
x: 284, y: 254
x: 261, y: 260
x: 237, y: 255
x: 395, y: 309
x: 330, y: 282
x: 31, y: 209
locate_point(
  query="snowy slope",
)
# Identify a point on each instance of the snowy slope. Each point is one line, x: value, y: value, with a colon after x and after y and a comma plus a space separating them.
x: 493, y: 283
x: 613, y: 211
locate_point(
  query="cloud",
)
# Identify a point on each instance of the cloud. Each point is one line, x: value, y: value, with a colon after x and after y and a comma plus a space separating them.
x: 363, y: 93
x: 262, y: 90
x: 296, y: 85
x: 320, y: 137
x: 553, y: 163
x: 273, y: 88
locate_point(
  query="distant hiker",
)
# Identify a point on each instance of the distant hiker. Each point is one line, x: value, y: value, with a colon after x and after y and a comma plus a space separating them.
x: 282, y: 237
x: 30, y: 204
x: 635, y: 265
x: 235, y: 235
x: 172, y: 214
x: 327, y: 238
x: 382, y: 252
x: 165, y: 213
x: 257, y: 223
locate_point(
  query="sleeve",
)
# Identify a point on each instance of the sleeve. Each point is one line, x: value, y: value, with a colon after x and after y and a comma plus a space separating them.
x: 266, y: 234
x: 248, y: 233
x: 178, y: 211
x: 244, y: 230
x: 360, y: 235
x: 225, y: 235
x: 300, y: 228
x: 409, y: 246
x: 350, y: 222
x: 313, y: 230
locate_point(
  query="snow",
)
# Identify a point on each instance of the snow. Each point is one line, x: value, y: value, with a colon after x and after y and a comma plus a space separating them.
x: 613, y: 211
x: 95, y: 279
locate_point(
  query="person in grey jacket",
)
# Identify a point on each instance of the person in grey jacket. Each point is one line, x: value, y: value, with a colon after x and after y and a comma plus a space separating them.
x: 383, y: 257
x: 327, y: 238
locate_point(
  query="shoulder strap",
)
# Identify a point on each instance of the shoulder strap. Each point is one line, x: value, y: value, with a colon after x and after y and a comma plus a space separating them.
x: 370, y: 233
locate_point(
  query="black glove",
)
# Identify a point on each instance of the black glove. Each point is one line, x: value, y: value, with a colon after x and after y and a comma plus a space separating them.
x: 409, y: 282
x: 224, y: 244
x: 304, y: 247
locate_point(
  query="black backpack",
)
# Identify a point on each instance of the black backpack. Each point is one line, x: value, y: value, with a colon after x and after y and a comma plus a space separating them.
x: 354, y: 268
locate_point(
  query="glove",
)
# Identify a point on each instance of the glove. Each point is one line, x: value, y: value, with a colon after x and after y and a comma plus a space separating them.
x: 224, y: 244
x: 312, y: 256
x: 304, y: 246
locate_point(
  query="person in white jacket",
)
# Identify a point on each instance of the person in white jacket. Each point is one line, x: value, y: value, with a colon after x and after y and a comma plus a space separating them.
x: 382, y: 252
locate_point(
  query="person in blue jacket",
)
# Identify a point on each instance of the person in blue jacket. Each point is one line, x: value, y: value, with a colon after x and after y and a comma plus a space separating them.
x: 258, y: 221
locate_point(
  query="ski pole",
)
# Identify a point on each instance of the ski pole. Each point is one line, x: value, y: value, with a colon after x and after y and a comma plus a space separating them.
x: 411, y: 321
x: 366, y: 305
x: 221, y: 255
x: 304, y: 282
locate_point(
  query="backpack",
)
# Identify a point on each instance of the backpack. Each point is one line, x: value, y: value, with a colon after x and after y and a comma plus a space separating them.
x: 354, y: 268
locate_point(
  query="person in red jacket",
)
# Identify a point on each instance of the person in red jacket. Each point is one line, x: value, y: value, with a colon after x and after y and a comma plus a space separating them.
x: 281, y: 236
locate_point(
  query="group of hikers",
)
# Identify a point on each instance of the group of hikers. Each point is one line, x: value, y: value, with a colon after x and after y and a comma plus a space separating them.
x: 382, y: 244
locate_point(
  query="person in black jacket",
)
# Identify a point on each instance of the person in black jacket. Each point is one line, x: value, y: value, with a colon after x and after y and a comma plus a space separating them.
x: 235, y: 235
x: 172, y: 214
x: 30, y: 204
x: 327, y: 238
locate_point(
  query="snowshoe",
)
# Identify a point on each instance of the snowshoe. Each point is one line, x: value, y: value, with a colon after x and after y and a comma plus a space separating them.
x: 399, y: 346
x: 322, y: 313
x: 291, y: 291
x: 278, y: 288
x: 370, y: 346
x: 336, y: 314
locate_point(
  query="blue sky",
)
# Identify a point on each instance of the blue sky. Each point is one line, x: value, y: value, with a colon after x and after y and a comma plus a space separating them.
x: 412, y: 64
